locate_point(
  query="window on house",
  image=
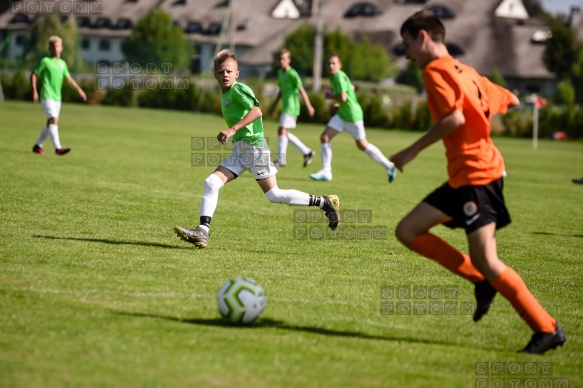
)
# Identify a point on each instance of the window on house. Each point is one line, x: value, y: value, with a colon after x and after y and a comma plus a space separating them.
x: 123, y: 24
x: 214, y: 28
x: 20, y: 40
x: 102, y: 22
x: 441, y: 12
x: 363, y: 9
x: 83, y: 21
x: 85, y: 44
x: 193, y: 28
x: 104, y: 45
x: 19, y: 18
x: 244, y: 24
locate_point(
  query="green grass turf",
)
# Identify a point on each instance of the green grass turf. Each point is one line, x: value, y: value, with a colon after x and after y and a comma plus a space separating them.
x: 96, y: 290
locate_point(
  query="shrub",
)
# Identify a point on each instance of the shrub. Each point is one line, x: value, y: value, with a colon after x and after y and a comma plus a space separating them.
x: 119, y: 97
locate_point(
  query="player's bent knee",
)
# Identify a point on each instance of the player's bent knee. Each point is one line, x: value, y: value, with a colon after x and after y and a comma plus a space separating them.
x: 404, y: 234
x: 213, y: 182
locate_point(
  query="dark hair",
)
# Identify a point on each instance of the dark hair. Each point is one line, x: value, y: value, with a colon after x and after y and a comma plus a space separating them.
x: 427, y: 21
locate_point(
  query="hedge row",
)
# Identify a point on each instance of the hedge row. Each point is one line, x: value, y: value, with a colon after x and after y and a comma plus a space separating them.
x: 379, y: 111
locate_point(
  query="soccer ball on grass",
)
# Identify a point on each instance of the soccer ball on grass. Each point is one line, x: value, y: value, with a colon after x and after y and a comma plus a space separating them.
x: 241, y: 300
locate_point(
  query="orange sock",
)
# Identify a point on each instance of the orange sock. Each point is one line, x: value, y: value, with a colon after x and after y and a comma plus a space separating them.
x: 512, y: 287
x: 434, y: 248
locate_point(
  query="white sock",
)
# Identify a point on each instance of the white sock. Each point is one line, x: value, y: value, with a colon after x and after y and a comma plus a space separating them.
x: 43, y: 136
x: 210, y: 198
x: 281, y: 149
x: 378, y: 157
x: 298, y: 144
x: 54, y: 133
x: 327, y: 157
x: 289, y: 197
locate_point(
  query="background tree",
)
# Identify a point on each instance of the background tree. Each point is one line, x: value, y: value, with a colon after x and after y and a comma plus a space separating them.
x: 301, y: 44
x: 156, y: 40
x: 44, y: 27
x: 497, y: 78
x: 562, y: 49
x: 413, y: 76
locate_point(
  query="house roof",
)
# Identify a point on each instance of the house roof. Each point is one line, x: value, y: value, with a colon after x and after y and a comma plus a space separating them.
x: 489, y: 42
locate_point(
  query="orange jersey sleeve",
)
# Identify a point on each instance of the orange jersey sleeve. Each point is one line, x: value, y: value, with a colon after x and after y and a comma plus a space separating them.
x: 472, y: 158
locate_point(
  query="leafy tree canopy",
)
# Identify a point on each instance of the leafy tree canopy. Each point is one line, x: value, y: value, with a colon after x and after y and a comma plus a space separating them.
x: 155, y: 40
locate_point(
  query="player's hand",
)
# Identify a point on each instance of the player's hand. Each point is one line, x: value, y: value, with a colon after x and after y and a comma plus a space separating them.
x: 35, y: 97
x: 311, y: 110
x: 400, y: 159
x: 83, y: 95
x: 224, y: 136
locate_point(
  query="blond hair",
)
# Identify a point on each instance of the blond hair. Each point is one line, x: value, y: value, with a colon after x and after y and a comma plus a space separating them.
x: 222, y: 56
x: 284, y: 51
x: 55, y: 39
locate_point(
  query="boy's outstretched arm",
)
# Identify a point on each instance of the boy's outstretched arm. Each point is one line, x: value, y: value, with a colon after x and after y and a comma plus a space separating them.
x: 442, y: 128
x: 250, y: 117
x: 79, y: 90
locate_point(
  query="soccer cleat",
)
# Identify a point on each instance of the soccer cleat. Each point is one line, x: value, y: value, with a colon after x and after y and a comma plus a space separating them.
x: 62, y: 151
x: 485, y: 294
x: 541, y: 342
x: 332, y: 209
x: 321, y: 176
x: 278, y: 164
x: 392, y: 174
x: 38, y: 150
x: 579, y: 181
x: 308, y: 158
x: 197, y: 236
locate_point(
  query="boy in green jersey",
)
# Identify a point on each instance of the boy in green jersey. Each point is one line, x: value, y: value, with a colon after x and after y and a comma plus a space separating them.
x: 251, y: 153
x: 349, y: 118
x: 51, y: 71
x: 290, y: 86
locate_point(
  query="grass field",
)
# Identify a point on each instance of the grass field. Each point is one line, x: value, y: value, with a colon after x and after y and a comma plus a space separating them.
x: 96, y: 290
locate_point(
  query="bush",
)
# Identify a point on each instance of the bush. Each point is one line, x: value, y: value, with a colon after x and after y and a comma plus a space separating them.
x: 517, y: 123
x: 319, y: 103
x: 17, y: 87
x: 373, y: 110
x: 69, y: 93
x: 119, y: 97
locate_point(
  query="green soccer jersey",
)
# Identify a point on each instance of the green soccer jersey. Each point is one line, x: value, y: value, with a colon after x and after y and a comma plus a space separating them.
x: 350, y: 111
x: 235, y: 104
x: 289, y: 88
x: 51, y: 71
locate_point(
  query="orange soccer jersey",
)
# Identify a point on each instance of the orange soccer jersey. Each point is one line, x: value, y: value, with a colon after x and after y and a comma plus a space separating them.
x: 472, y: 158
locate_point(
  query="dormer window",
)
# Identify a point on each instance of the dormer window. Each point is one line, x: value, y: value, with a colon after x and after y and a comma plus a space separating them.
x: 83, y: 21
x: 441, y: 12
x: 363, y: 9
x: 123, y: 24
x: 193, y: 28
x: 244, y: 24
x: 540, y: 36
x: 103, y: 22
x: 214, y: 29
x: 19, y: 18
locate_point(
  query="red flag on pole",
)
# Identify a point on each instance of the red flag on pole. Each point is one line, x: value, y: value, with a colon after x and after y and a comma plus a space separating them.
x: 540, y: 102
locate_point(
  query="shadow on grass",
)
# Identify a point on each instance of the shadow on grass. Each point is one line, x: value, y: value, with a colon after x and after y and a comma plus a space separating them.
x: 114, y: 242
x: 558, y: 234
x: 270, y: 323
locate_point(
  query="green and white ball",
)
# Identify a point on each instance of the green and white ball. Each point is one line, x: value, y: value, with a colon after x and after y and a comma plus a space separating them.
x: 241, y: 300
